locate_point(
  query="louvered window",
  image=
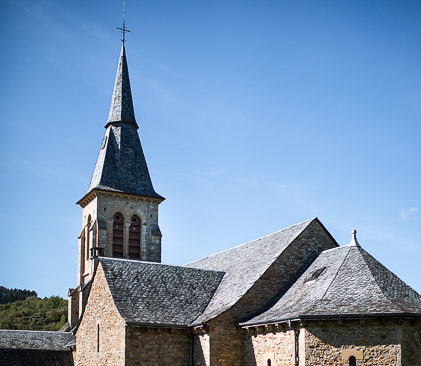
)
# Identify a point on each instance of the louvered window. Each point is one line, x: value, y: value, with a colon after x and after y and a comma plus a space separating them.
x: 134, y: 237
x: 118, y: 235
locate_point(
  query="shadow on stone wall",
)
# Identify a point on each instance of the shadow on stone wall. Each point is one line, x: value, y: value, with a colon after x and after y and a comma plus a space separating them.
x: 198, y: 352
x: 25, y: 357
x: 249, y: 358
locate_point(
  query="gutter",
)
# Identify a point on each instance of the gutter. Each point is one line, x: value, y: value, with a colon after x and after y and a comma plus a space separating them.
x: 332, y: 317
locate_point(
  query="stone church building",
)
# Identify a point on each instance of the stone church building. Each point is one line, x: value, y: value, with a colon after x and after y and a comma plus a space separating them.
x: 292, y: 298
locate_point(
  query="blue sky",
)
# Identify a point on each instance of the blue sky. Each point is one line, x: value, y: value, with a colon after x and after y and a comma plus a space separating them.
x: 253, y: 115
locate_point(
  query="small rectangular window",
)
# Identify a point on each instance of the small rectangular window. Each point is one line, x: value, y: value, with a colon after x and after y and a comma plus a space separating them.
x: 315, y: 274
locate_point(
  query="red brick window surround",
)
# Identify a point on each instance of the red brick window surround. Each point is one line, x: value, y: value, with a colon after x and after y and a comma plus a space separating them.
x: 118, y: 235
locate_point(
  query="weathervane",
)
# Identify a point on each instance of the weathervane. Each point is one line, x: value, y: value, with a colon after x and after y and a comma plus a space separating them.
x: 123, y: 29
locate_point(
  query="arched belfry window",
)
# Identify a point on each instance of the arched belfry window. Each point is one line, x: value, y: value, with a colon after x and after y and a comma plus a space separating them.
x: 118, y: 235
x: 134, y: 237
x: 88, y: 237
x: 352, y: 361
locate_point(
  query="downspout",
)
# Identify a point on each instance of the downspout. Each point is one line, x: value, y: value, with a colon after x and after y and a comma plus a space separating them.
x: 190, y: 346
x: 295, y: 347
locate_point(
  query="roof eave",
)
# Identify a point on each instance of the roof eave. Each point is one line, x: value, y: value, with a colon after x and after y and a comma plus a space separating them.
x: 308, y: 317
x: 156, y: 325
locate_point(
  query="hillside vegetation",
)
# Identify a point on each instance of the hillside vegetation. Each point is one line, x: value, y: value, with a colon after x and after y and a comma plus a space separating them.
x: 31, y: 312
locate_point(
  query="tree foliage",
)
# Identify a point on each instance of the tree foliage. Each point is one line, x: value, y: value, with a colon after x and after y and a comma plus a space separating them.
x: 33, y: 313
x: 11, y: 295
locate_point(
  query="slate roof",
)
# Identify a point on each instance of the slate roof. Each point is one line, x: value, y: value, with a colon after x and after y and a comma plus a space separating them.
x: 121, y: 165
x: 352, y: 283
x: 244, y: 265
x: 39, y: 340
x: 158, y: 294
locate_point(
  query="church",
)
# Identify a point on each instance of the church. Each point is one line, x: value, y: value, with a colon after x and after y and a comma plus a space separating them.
x: 294, y: 297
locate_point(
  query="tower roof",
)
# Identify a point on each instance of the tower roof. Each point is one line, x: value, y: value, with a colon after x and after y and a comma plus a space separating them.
x: 121, y: 109
x: 121, y: 165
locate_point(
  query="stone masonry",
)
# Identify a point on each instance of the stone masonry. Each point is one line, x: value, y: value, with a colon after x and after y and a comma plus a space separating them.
x: 146, y: 346
x: 100, y: 338
x: 373, y: 342
x: 99, y: 207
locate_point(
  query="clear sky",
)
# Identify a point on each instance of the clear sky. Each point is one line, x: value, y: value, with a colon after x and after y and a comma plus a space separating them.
x: 253, y: 115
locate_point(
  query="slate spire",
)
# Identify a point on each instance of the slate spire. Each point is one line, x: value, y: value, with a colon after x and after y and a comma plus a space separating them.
x: 121, y: 165
x: 121, y: 109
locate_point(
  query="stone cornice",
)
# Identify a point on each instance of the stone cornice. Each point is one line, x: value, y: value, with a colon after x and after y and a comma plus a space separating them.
x: 90, y: 196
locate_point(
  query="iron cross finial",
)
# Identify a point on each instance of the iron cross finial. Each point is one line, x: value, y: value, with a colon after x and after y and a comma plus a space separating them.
x: 123, y: 29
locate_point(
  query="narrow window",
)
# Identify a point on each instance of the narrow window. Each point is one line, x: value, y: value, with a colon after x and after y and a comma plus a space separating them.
x: 88, y: 237
x: 134, y: 237
x: 352, y: 361
x: 97, y: 338
x: 269, y: 362
x: 118, y: 234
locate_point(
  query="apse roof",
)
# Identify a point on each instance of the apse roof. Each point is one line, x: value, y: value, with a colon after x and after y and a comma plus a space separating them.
x: 343, y: 281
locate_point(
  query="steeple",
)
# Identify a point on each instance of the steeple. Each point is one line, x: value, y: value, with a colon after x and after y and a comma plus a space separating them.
x: 121, y: 165
x: 121, y: 109
x: 120, y: 209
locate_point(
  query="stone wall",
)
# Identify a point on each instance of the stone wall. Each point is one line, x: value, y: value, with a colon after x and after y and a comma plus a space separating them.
x: 201, y: 348
x: 372, y: 343
x: 377, y: 342
x: 73, y: 306
x: 274, y: 344
x: 102, y: 206
x: 157, y: 346
x: 411, y: 345
x: 227, y: 341
x: 100, y: 338
x: 35, y: 357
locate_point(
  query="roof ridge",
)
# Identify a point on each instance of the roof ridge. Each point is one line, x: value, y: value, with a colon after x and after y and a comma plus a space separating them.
x: 254, y: 240
x: 375, y: 278
x: 334, y: 278
x: 155, y: 263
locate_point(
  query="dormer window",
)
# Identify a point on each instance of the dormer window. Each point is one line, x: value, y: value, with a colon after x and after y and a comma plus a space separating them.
x: 315, y: 274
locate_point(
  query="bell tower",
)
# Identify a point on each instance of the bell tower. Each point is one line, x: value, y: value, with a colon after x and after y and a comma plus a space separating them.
x: 120, y: 209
